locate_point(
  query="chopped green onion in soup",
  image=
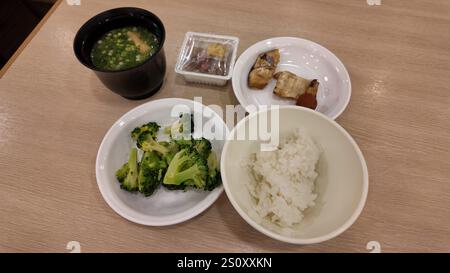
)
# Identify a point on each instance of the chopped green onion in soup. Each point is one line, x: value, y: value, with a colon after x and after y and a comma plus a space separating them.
x: 124, y: 48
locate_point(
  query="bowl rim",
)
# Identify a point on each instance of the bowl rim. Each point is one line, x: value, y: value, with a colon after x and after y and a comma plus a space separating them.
x: 277, y: 236
x: 124, y: 10
x: 255, y: 46
x: 207, y: 202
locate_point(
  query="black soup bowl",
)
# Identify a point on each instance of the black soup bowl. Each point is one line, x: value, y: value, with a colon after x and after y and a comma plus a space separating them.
x: 137, y: 82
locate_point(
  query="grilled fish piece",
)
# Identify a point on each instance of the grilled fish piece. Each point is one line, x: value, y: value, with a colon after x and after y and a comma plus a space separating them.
x: 290, y: 85
x: 263, y: 69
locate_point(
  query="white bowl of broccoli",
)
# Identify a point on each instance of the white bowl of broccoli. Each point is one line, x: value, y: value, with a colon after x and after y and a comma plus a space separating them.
x: 157, y: 165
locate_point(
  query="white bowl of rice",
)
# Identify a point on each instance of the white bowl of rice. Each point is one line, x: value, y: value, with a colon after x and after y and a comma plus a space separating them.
x: 309, y: 188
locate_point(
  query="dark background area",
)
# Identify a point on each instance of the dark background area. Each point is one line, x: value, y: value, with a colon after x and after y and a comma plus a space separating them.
x: 17, y: 19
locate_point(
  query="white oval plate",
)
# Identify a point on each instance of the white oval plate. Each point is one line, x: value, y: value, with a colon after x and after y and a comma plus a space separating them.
x: 164, y: 207
x: 303, y: 58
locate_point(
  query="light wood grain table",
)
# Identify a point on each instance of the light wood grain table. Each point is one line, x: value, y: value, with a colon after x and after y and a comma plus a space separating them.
x: 54, y: 113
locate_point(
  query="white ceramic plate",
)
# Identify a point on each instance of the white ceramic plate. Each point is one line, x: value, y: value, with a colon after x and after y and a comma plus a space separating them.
x: 164, y: 207
x: 341, y: 186
x: 303, y: 58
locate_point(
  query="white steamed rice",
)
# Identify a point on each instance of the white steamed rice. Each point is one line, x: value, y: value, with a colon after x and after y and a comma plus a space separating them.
x: 284, y: 180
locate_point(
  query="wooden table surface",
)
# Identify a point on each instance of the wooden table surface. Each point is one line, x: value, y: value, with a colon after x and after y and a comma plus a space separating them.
x: 54, y: 113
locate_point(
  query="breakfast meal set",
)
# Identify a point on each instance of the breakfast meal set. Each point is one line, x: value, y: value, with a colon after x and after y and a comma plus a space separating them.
x: 157, y: 169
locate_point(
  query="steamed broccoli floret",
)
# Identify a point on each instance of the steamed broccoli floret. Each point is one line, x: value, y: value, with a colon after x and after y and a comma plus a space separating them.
x: 128, y: 173
x: 165, y: 149
x: 180, y: 161
x: 212, y: 161
x: 182, y: 128
x: 172, y: 149
x: 151, y: 172
x: 147, y: 143
x: 121, y: 173
x: 184, y: 143
x: 214, y: 178
x: 187, y: 168
x: 177, y: 164
x: 203, y: 146
x: 213, y: 181
x: 151, y: 127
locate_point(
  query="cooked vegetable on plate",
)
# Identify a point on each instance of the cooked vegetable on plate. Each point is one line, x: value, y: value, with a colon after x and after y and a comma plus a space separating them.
x: 179, y: 163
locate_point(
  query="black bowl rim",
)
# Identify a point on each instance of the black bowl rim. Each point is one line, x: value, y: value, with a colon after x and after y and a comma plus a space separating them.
x: 161, y: 44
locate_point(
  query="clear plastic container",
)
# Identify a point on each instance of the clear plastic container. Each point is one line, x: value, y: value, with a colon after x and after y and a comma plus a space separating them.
x: 207, y: 58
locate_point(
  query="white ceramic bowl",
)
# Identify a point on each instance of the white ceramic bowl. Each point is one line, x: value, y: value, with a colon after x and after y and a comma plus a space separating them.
x: 303, y: 58
x: 342, y: 184
x: 164, y: 207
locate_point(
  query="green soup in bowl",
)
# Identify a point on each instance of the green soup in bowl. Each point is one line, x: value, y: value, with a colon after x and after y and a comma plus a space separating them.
x: 124, y: 48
